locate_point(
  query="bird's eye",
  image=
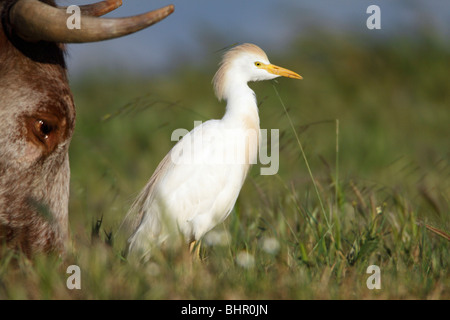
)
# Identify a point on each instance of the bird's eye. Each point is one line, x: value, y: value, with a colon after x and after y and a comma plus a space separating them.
x: 258, y: 64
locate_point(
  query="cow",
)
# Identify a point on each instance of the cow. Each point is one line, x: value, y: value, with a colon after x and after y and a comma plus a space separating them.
x: 37, y: 114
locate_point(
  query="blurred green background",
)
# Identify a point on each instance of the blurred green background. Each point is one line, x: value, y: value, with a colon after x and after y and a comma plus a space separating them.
x: 388, y: 181
x: 391, y: 98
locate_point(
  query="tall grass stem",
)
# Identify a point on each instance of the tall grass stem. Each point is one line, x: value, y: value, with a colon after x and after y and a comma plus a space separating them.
x: 304, y: 157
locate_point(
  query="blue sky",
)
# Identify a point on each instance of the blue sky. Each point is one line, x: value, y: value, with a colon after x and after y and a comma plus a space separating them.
x: 185, y: 37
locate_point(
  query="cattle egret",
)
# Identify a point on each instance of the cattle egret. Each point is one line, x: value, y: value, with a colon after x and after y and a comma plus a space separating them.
x: 194, y: 188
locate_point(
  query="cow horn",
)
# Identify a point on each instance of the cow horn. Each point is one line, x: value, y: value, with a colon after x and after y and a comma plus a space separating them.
x: 99, y: 8
x: 35, y: 21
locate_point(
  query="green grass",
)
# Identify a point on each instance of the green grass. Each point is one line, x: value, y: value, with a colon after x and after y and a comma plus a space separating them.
x: 371, y: 119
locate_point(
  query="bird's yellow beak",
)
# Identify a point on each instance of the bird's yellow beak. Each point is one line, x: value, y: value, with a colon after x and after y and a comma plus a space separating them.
x: 279, y: 71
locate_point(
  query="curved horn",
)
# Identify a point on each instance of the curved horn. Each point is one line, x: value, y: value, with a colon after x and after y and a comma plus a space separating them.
x: 34, y: 21
x: 99, y: 8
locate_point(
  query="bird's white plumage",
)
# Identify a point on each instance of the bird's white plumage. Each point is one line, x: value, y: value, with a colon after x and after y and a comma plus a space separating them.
x: 196, y: 185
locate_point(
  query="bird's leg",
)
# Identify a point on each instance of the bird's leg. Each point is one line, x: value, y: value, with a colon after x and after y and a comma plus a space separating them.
x: 193, y: 245
x: 199, y: 244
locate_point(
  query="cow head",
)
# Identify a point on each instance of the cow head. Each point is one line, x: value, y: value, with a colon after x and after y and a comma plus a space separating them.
x: 37, y: 114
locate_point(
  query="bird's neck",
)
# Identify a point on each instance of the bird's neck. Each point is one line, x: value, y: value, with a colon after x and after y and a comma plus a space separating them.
x: 242, y: 117
x: 242, y: 108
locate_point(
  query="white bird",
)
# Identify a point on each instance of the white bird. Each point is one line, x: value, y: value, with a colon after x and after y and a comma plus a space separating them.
x: 196, y: 185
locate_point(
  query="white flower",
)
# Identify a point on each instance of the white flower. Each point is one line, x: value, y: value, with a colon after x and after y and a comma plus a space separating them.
x: 270, y: 245
x: 217, y: 238
x: 245, y: 260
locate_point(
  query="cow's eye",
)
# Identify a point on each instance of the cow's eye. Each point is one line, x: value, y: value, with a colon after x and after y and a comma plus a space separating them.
x: 43, y: 129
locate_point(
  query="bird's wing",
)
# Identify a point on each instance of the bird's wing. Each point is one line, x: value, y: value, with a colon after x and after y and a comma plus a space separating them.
x: 136, y: 212
x: 142, y: 203
x: 200, y: 190
x: 193, y: 183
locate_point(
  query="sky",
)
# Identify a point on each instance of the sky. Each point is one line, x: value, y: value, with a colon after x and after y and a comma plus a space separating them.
x: 185, y: 37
